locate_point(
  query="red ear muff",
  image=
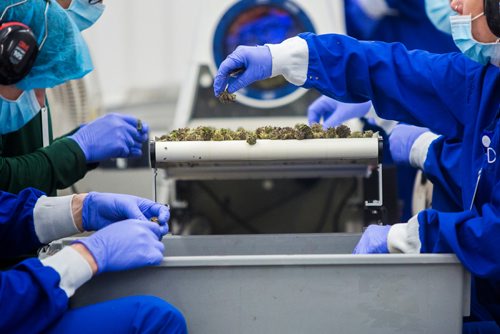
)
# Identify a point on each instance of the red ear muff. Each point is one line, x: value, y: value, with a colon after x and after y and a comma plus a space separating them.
x: 492, y: 13
x: 18, y: 51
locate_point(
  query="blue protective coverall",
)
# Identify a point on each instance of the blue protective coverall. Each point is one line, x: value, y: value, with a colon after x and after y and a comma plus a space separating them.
x: 453, y: 96
x: 410, y: 26
x: 31, y: 300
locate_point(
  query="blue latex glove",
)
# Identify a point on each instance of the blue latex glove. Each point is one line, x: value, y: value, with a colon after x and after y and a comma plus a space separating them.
x: 334, y: 113
x: 373, y: 240
x: 102, y: 209
x: 111, y: 136
x: 401, y: 140
x: 128, y: 244
x: 255, y: 61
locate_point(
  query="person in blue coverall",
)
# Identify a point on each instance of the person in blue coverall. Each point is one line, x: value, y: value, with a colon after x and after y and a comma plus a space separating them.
x: 402, y: 21
x: 451, y: 94
x: 28, y: 155
x: 34, y: 294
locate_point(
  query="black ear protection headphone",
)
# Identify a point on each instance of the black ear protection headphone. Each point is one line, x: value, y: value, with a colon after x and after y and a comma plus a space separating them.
x: 18, y: 47
x: 492, y: 13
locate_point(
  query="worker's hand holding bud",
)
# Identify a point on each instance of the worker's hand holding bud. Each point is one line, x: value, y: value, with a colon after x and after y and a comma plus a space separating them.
x: 373, y: 240
x: 402, y: 144
x: 334, y: 113
x: 111, y: 136
x: 128, y: 244
x: 244, y: 66
x: 102, y: 209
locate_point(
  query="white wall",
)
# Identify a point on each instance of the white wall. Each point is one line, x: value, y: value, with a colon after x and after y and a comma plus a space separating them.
x: 140, y: 47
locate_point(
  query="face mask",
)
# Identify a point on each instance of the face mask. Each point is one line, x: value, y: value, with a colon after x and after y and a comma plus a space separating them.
x: 483, y: 53
x: 84, y: 13
x: 439, y: 12
x: 15, y: 114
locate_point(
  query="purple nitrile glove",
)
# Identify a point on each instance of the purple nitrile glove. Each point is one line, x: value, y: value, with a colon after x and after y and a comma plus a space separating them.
x: 111, y: 136
x: 334, y: 113
x: 373, y: 240
x: 128, y: 244
x: 255, y: 63
x: 102, y: 209
x: 401, y: 141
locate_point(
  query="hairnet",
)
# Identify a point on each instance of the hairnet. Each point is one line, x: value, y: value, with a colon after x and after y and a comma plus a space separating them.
x: 64, y: 55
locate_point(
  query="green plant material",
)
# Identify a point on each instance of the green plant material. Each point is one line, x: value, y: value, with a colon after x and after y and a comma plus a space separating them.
x: 218, y: 136
x: 356, y: 134
x: 343, y: 131
x: 139, y: 126
x: 252, y: 139
x: 368, y: 134
x: 266, y: 132
x: 226, y: 98
x: 227, y: 134
x: 300, y: 132
x: 240, y: 134
x: 318, y: 131
x: 286, y: 133
x: 331, y: 133
x: 303, y: 132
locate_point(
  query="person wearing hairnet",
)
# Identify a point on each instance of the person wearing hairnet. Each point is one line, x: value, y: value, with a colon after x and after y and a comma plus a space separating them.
x: 29, y: 157
x: 388, y: 21
x: 455, y: 95
x: 34, y: 293
x: 396, y: 21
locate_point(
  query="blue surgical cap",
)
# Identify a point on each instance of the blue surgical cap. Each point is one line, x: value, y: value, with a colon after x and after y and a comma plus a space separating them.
x: 64, y: 55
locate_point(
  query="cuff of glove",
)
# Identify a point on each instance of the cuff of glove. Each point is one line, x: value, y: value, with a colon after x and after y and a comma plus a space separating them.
x: 420, y: 148
x: 73, y: 269
x: 77, y: 140
x: 290, y: 59
x: 53, y: 218
x: 404, y: 238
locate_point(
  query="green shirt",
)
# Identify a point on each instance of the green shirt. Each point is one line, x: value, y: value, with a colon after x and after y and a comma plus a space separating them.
x: 24, y: 162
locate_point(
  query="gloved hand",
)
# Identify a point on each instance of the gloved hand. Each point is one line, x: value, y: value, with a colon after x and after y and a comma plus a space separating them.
x: 334, y: 112
x: 102, y: 209
x: 401, y: 140
x: 255, y: 61
x: 373, y: 240
x: 128, y: 244
x: 111, y: 136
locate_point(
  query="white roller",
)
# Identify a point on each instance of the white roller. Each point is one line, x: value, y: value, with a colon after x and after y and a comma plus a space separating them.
x: 203, y: 152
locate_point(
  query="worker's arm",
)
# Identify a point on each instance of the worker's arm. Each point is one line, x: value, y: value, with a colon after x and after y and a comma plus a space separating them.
x: 440, y: 92
x: 35, y: 293
x: 30, y: 220
x: 472, y: 237
x: 56, y: 166
x: 414, y: 87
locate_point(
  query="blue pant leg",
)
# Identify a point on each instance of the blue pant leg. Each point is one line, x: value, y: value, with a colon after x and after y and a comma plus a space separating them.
x: 481, y: 327
x: 137, y: 314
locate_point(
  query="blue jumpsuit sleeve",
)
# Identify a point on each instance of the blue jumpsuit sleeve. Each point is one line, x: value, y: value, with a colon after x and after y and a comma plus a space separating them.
x: 17, y: 231
x: 466, y: 234
x: 415, y: 87
x: 30, y: 298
